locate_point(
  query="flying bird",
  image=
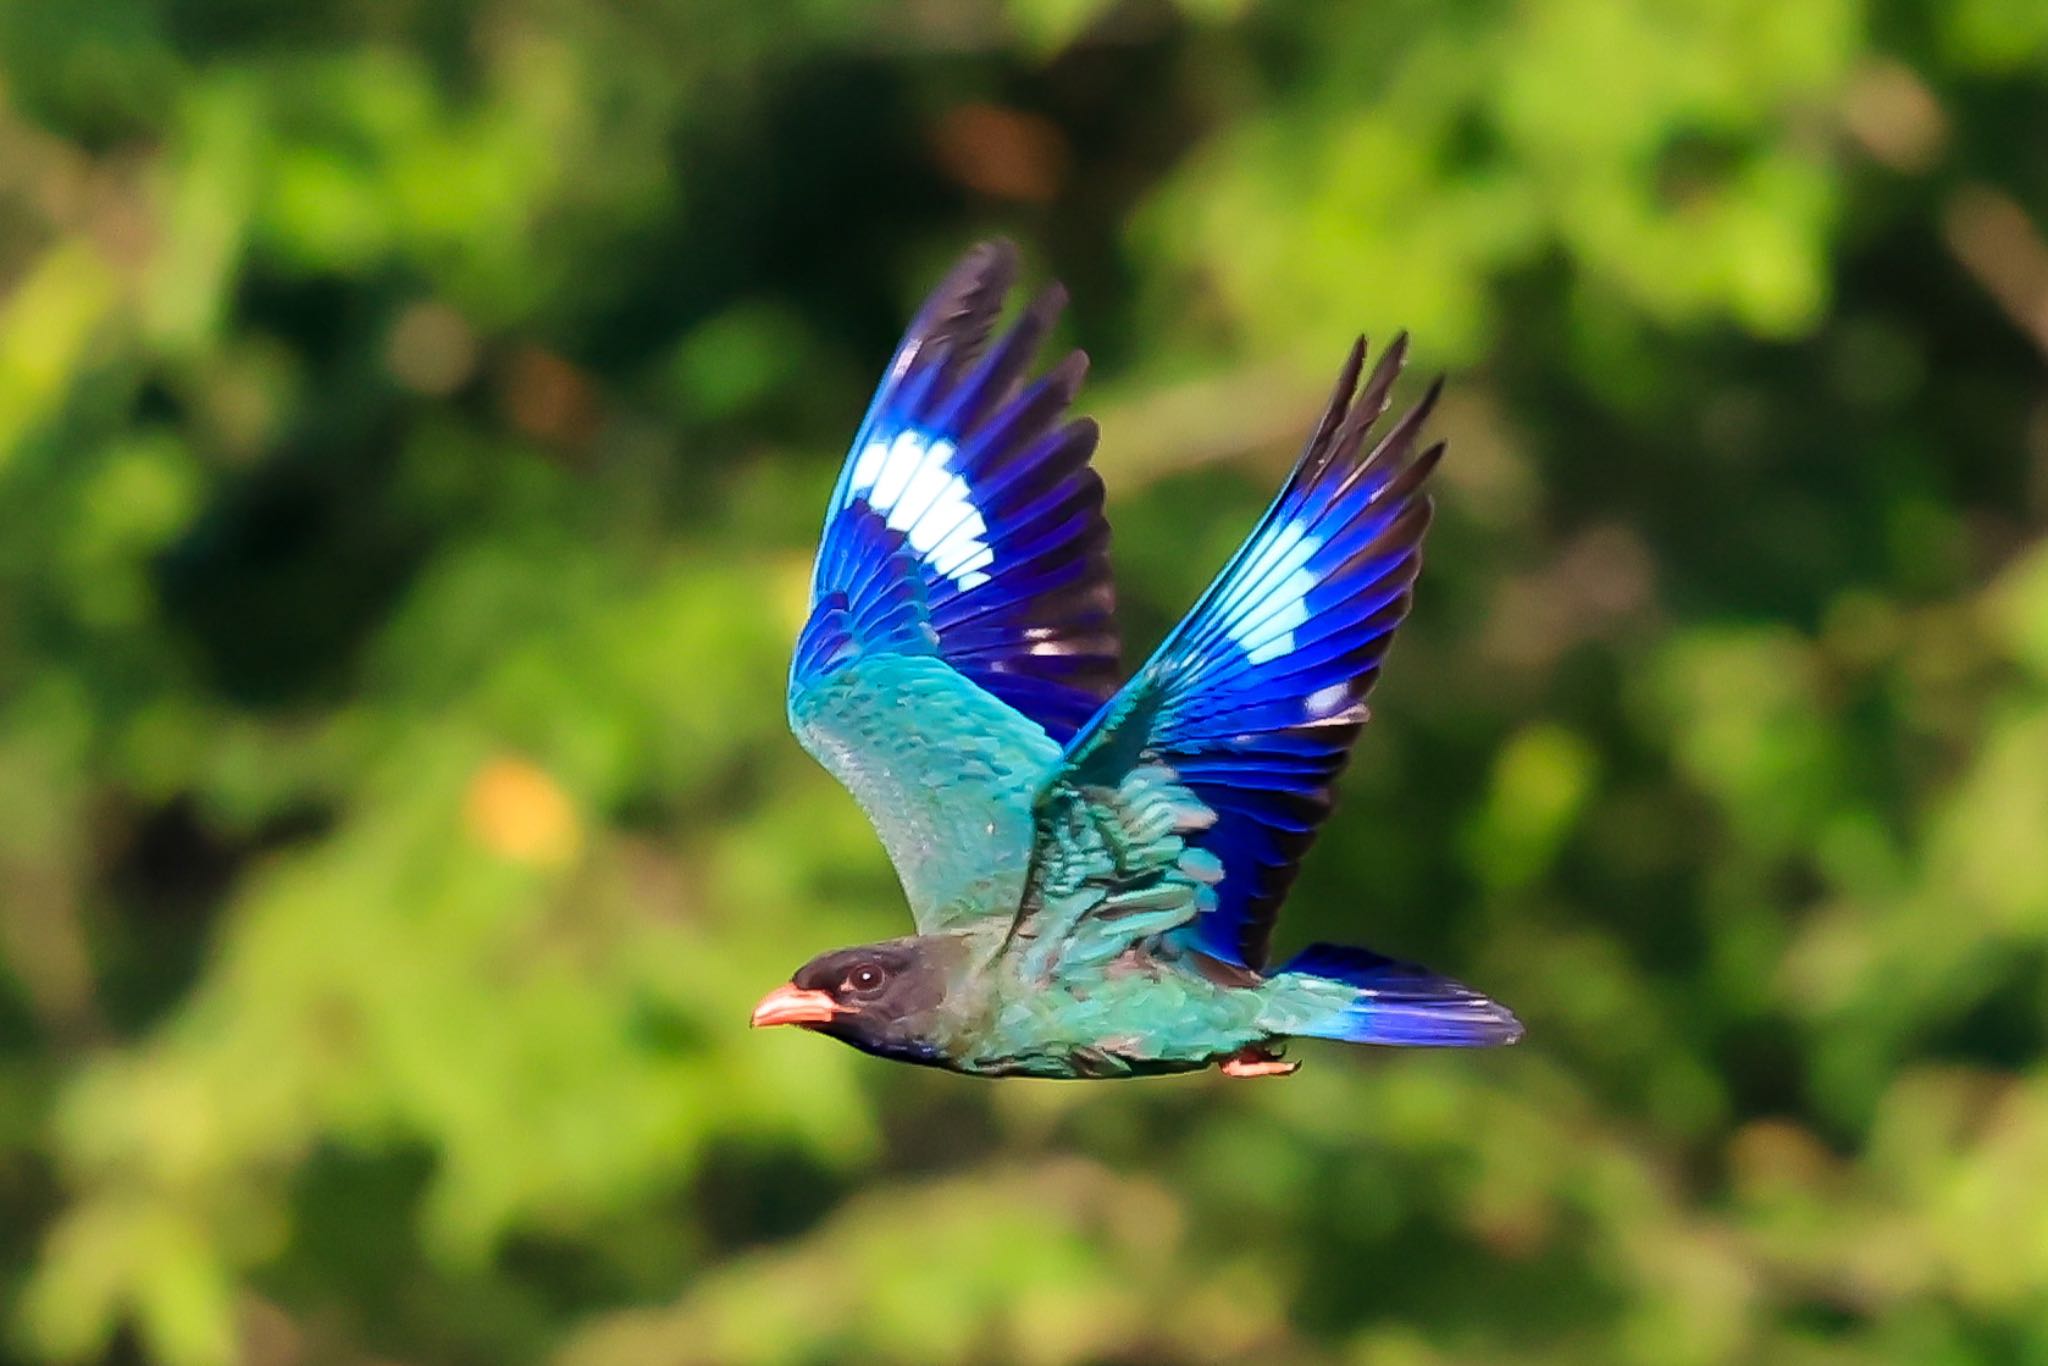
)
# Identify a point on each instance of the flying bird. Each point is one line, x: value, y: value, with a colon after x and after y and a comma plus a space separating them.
x: 1093, y: 869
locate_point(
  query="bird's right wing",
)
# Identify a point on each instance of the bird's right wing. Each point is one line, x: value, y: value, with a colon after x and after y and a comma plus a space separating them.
x: 1185, y: 805
x: 961, y: 620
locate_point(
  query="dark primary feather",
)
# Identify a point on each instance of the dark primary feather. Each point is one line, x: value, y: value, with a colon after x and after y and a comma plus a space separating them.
x: 1254, y: 701
x: 1003, y: 532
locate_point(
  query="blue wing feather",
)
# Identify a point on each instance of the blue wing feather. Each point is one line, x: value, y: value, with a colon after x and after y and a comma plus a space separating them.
x: 987, y: 485
x: 1256, y: 698
x: 961, y: 623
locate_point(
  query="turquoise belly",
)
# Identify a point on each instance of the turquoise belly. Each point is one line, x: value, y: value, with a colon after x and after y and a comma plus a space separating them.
x: 1127, y: 1024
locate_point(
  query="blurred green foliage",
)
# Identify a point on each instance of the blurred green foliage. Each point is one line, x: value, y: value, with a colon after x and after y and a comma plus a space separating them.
x: 414, y: 418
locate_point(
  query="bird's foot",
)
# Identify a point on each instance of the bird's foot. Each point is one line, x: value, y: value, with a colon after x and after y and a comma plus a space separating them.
x: 1254, y: 1061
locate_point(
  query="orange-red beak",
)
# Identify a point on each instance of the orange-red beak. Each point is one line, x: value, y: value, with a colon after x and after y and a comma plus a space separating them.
x: 791, y: 1004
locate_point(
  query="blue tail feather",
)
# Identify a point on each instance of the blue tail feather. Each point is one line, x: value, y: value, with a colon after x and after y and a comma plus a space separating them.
x: 1402, y: 1003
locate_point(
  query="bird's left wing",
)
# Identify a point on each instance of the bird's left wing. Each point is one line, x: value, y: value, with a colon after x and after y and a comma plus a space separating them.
x: 961, y: 624
x: 1185, y: 804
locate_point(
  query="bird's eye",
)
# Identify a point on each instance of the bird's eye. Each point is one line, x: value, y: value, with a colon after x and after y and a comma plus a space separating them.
x: 866, y: 977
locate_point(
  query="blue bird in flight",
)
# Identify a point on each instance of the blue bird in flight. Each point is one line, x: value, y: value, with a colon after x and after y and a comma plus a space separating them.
x: 1094, y: 865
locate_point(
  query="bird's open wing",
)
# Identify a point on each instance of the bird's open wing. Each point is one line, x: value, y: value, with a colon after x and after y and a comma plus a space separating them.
x: 1185, y: 805
x: 961, y: 622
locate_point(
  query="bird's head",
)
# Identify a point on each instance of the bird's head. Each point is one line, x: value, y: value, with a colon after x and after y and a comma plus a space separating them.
x: 882, y: 998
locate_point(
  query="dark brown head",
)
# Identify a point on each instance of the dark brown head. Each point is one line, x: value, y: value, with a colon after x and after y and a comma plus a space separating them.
x: 882, y: 998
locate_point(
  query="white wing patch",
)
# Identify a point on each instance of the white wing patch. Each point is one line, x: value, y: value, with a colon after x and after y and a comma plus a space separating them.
x: 1273, y: 602
x: 910, y: 482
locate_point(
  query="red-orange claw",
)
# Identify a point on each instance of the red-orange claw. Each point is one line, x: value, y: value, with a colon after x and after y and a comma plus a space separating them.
x: 1256, y: 1062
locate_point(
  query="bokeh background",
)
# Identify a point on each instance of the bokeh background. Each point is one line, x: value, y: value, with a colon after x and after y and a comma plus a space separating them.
x: 415, y: 416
